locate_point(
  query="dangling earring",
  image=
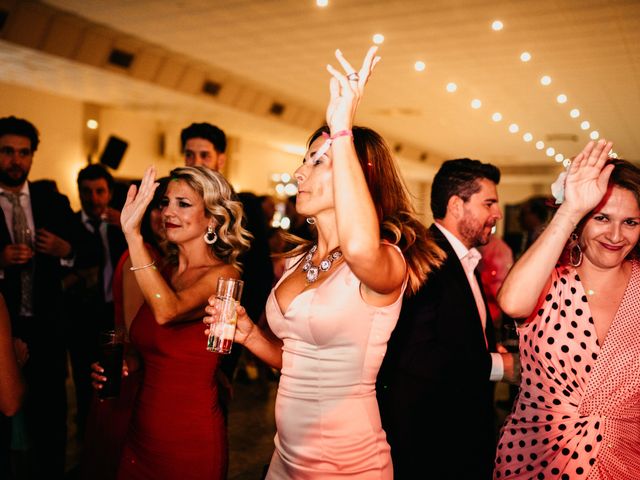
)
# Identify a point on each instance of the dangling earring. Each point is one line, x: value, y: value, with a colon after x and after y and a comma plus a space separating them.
x: 575, y: 252
x: 210, y: 237
x: 311, y: 220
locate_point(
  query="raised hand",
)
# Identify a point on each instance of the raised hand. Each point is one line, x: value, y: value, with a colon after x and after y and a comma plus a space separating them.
x: 347, y: 88
x: 138, y: 199
x: 588, y: 177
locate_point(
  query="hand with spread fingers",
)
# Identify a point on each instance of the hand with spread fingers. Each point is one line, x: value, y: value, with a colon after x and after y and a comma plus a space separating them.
x: 347, y: 89
x: 138, y: 199
x: 588, y: 177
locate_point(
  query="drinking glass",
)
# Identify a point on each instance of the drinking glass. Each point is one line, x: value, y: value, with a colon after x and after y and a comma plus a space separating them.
x: 223, y: 327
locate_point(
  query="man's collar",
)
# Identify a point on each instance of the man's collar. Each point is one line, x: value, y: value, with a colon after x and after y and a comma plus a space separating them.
x: 458, y: 247
x: 24, y: 190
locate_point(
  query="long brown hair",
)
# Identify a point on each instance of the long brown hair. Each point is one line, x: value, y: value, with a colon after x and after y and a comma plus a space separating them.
x: 399, y: 223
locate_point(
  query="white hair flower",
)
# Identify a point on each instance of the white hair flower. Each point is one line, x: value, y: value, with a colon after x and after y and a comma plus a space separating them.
x: 557, y: 187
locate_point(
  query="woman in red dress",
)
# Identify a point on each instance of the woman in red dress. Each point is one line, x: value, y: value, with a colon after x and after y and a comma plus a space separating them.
x: 177, y: 428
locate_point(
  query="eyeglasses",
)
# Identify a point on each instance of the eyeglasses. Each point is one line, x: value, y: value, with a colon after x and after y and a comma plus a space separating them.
x: 10, y: 152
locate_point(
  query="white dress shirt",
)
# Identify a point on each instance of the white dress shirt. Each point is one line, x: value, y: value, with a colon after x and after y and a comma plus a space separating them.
x: 469, y: 260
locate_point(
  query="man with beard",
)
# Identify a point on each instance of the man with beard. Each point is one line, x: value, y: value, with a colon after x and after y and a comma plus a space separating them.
x: 204, y: 144
x: 435, y: 386
x: 36, y: 236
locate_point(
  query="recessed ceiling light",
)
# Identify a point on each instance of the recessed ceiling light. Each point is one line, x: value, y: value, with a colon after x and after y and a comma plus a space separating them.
x: 496, y: 117
x: 322, y: 3
x: 545, y: 80
x: 527, y: 137
x: 451, y: 87
x: 92, y: 124
x: 585, y: 125
x: 575, y: 113
x: 594, y: 135
x: 525, y: 56
x: 513, y: 128
x: 539, y: 144
x: 551, y: 152
x: 419, y: 66
x: 378, y: 38
x: 475, y: 103
x: 285, y: 177
x: 497, y: 25
x: 562, y: 98
x: 559, y: 157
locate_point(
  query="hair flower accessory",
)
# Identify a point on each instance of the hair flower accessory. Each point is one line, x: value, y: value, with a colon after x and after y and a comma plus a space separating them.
x: 557, y: 187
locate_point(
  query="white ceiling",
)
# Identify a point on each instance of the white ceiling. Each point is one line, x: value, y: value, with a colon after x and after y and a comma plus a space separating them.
x: 590, y: 48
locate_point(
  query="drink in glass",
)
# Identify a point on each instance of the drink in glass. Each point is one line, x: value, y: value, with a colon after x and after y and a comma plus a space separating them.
x: 111, y: 358
x: 223, y: 327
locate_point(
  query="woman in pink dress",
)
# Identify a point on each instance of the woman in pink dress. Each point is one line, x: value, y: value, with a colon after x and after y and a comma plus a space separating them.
x: 334, y: 308
x: 578, y: 410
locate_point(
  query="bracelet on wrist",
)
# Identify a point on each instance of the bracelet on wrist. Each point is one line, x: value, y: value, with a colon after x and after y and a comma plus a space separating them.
x: 142, y: 267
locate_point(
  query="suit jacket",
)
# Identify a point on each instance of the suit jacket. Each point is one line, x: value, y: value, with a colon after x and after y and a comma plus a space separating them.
x: 434, y: 391
x: 51, y: 210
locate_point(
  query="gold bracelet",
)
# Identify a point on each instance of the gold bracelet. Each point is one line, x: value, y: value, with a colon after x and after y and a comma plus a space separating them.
x: 142, y: 267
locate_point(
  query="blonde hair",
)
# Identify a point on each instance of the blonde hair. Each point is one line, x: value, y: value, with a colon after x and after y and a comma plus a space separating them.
x: 399, y: 223
x: 219, y: 204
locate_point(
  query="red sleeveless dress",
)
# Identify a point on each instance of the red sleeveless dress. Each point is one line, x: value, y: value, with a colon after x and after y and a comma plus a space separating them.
x: 177, y: 429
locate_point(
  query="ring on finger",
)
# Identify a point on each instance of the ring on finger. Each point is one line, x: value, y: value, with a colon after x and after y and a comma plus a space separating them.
x: 353, y: 77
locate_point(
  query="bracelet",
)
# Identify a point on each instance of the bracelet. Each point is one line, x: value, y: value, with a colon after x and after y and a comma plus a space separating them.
x: 341, y: 133
x: 142, y: 267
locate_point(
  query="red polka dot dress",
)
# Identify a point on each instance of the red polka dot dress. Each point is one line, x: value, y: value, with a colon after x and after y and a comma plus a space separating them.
x: 578, y: 411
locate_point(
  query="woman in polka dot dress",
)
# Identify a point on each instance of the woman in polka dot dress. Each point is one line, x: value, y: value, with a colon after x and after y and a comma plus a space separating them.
x: 578, y: 411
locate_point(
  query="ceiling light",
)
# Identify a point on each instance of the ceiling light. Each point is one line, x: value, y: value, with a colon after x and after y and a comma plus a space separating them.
x: 594, y: 135
x: 419, y: 66
x: 496, y: 117
x: 92, y: 124
x: 545, y: 80
x: 575, y: 113
x: 285, y: 177
x: 551, y: 152
x: 451, y: 87
x: 562, y: 98
x: 513, y: 128
x: 275, y: 177
x: 559, y: 157
x: 497, y: 25
x: 322, y: 3
x: 378, y: 38
x: 475, y: 103
x: 585, y: 125
x: 527, y: 137
x: 539, y: 144
x: 525, y: 56
x: 280, y: 189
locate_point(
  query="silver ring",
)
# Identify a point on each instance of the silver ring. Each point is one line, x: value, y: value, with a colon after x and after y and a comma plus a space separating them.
x: 353, y: 77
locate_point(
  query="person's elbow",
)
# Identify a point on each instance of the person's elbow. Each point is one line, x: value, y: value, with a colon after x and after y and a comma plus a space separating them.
x: 513, y: 305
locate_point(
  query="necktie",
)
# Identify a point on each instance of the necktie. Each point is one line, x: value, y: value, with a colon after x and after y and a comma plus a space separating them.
x: 470, y: 262
x: 101, y: 254
x: 22, y: 234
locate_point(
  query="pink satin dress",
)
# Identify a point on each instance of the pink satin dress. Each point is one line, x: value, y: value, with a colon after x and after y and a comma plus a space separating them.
x: 327, y: 418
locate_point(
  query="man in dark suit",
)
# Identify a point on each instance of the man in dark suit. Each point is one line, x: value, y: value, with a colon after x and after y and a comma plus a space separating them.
x: 205, y: 145
x: 36, y: 236
x: 88, y: 296
x: 434, y: 387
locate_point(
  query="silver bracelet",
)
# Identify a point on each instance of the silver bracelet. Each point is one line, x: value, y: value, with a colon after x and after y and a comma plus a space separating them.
x: 142, y: 267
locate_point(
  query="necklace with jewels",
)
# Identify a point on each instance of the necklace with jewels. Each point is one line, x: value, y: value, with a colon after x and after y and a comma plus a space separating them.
x: 312, y: 270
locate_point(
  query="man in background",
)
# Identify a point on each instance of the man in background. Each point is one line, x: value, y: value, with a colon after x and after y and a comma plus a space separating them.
x: 37, y: 237
x: 205, y: 145
x: 88, y: 294
x: 435, y: 385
